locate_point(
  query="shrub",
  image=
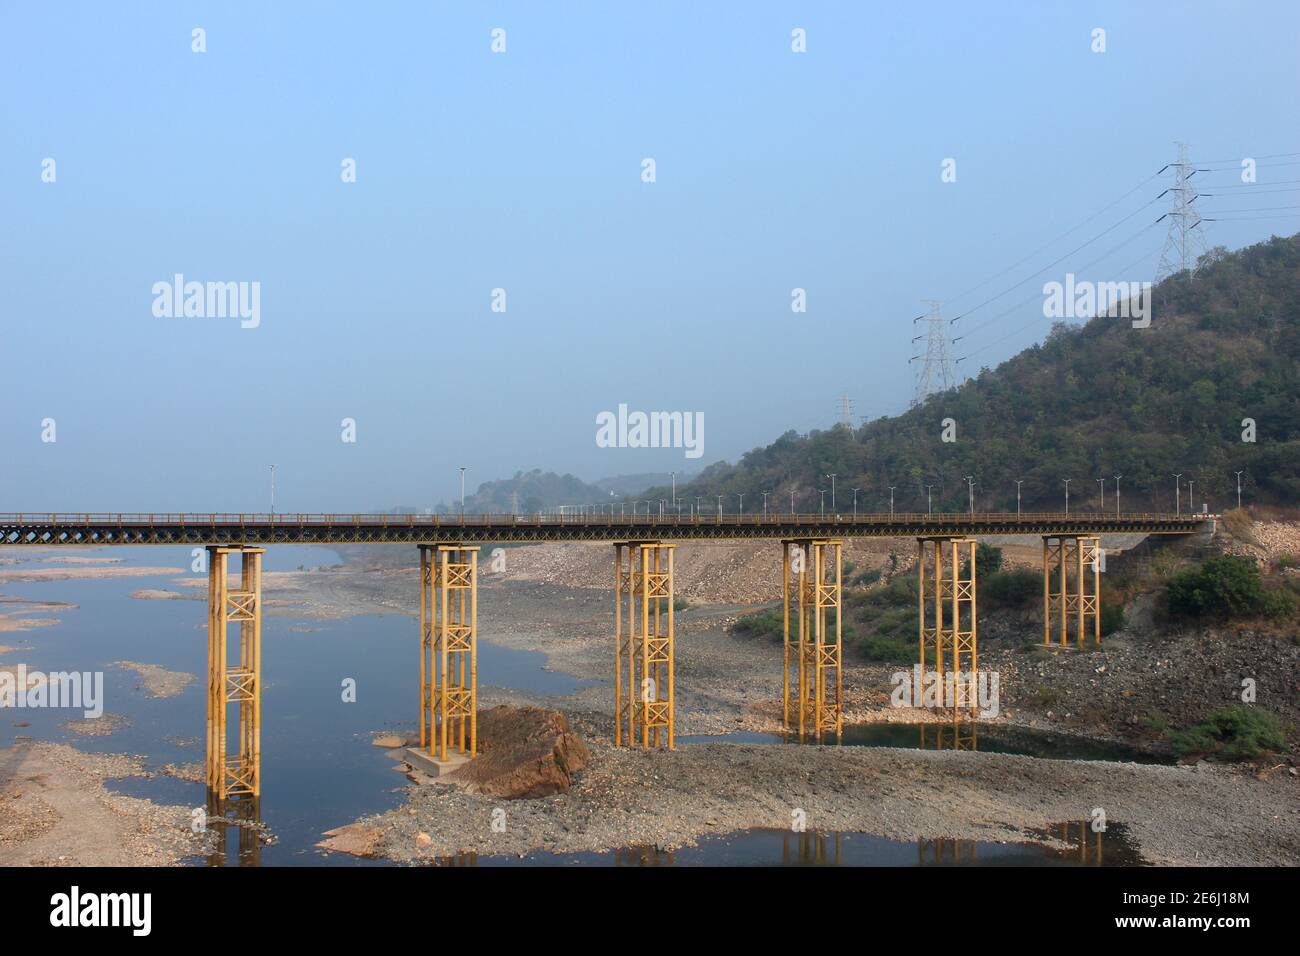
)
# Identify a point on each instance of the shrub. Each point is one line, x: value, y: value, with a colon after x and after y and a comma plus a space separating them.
x: 1222, y: 586
x: 869, y: 576
x: 766, y: 624
x: 1112, y: 617
x: 1156, y: 722
x: 1236, y: 733
x: 1280, y: 602
x: 988, y: 560
x: 1019, y: 588
x: 886, y: 649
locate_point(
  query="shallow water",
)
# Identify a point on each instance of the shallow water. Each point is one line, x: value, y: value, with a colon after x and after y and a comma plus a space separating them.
x: 1074, y: 844
x: 319, y: 769
x: 986, y: 738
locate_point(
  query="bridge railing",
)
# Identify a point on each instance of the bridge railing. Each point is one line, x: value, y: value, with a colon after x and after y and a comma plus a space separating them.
x: 506, y: 519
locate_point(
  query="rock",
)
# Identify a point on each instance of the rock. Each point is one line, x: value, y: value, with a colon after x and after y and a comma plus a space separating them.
x: 389, y: 741
x: 524, y: 752
x: 355, y: 839
x: 423, y: 839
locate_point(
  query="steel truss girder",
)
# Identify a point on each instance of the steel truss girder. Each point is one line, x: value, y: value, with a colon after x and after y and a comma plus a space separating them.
x: 1071, y: 589
x: 644, y: 645
x: 811, y: 583
x: 947, y: 618
x: 40, y: 532
x: 230, y: 683
x: 448, y: 649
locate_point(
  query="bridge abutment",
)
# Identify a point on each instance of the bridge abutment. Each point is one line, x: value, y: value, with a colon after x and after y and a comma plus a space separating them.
x: 812, y: 572
x: 644, y: 645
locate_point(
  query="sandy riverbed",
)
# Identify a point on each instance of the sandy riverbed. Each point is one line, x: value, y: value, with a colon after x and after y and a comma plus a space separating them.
x: 55, y: 811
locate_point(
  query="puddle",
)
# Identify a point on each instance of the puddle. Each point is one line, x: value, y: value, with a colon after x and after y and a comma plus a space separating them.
x: 986, y: 738
x: 1077, y: 845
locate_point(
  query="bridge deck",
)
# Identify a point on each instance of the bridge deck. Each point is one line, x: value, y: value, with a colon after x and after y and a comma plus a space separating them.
x: 126, y: 529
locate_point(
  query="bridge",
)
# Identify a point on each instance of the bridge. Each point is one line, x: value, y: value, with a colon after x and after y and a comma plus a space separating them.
x: 643, y: 632
x: 246, y: 529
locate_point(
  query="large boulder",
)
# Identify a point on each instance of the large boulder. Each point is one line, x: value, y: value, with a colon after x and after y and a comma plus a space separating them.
x: 355, y: 838
x: 523, y: 752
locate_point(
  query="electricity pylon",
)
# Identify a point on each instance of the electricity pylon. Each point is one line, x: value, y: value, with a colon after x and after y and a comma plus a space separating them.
x: 938, y: 372
x: 1184, y: 244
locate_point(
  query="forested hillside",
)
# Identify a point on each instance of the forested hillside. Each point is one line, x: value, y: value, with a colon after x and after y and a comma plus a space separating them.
x: 1091, y: 401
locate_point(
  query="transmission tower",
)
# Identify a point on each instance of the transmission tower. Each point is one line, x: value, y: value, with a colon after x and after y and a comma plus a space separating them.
x: 846, y: 411
x: 1184, y: 244
x: 938, y: 372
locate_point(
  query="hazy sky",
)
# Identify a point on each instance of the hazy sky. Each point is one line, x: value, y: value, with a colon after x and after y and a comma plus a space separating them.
x: 522, y: 171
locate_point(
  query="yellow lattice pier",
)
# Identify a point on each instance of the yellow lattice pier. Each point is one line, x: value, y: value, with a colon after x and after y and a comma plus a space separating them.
x: 1071, y: 589
x: 948, y: 625
x: 811, y: 586
x: 644, y: 644
x: 238, y: 682
x: 448, y: 649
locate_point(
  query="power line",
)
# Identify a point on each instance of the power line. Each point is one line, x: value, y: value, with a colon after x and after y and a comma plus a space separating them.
x: 1040, y: 319
x: 1058, y: 261
x: 1038, y: 295
x: 1286, y: 215
x: 1258, y: 209
x: 1238, y: 159
x: 1051, y: 242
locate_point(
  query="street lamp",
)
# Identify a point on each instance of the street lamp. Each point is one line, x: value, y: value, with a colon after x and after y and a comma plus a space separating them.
x: 742, y: 505
x: 832, y: 478
x: 462, y: 490
x: 1019, y: 482
x: 970, y: 484
x: 1178, y: 491
x: 1238, y: 491
x: 1117, y: 478
x: 1191, y: 498
x: 891, y: 500
x: 1102, y: 482
x: 1067, y: 494
x: 855, y: 504
x: 929, y: 509
x: 765, y: 494
x: 823, y: 505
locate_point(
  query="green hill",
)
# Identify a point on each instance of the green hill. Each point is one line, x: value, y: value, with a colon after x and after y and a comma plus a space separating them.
x: 1091, y: 401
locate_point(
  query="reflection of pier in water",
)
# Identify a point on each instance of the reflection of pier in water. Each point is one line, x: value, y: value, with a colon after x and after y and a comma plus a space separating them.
x: 958, y: 735
x: 1082, y: 839
x: 945, y: 852
x: 464, y: 858
x: 1083, y: 846
x: 812, y: 848
x: 243, y: 818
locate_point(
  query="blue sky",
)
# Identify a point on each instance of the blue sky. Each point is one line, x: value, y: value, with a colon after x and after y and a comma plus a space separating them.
x: 522, y: 171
